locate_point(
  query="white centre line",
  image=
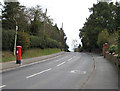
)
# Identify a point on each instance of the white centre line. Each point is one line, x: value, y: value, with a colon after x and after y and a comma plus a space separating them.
x: 38, y: 73
x: 2, y: 86
x: 60, y: 64
x: 70, y: 59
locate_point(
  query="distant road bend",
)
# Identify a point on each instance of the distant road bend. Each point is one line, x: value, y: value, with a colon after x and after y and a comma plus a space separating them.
x: 68, y: 71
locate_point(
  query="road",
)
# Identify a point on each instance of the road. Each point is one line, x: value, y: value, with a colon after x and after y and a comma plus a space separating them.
x: 68, y: 71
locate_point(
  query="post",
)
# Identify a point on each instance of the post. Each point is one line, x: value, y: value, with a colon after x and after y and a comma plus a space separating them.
x: 15, y: 41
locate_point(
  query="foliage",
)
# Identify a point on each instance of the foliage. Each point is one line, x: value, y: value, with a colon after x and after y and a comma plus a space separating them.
x: 50, y: 43
x: 113, y: 48
x: 113, y: 39
x: 103, y: 16
x: 8, y: 40
x: 36, y: 24
x: 119, y: 42
x: 23, y: 40
x: 102, y: 38
x: 12, y: 15
x: 80, y: 48
x: 37, y: 42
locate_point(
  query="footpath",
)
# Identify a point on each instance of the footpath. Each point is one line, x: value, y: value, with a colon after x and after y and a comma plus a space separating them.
x: 25, y: 62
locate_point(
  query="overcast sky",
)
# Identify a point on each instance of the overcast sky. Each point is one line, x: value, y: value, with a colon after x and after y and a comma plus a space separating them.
x: 72, y: 13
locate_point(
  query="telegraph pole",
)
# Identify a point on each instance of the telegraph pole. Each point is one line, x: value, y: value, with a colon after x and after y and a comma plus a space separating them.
x: 62, y: 36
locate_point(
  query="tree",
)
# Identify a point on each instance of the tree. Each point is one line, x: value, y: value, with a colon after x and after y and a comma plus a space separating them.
x: 14, y: 15
x: 9, y: 15
x: 103, y: 17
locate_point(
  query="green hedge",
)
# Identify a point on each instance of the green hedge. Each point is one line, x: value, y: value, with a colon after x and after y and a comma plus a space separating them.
x: 26, y: 40
x: 8, y: 37
x: 50, y: 43
x: 37, y: 42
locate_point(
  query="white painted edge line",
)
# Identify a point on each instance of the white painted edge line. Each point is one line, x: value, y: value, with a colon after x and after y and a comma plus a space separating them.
x: 60, y: 64
x: 2, y: 86
x: 38, y: 73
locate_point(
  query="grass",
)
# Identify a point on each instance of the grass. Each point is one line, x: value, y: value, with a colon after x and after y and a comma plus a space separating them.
x: 8, y: 55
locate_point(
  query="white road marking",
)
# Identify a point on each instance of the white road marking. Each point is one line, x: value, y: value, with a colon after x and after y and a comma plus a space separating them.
x: 60, y: 64
x: 70, y: 59
x: 2, y: 86
x: 77, y: 71
x: 38, y: 73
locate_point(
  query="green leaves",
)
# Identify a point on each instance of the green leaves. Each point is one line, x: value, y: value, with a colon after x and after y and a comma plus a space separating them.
x: 103, y: 17
x: 102, y: 38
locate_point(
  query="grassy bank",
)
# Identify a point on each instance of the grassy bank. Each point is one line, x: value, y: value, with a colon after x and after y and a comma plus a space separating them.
x: 8, y: 56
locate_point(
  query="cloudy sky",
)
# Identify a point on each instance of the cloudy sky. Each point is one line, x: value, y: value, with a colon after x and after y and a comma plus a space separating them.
x: 72, y: 13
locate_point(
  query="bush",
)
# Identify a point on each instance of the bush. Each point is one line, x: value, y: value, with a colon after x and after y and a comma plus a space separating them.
x: 50, y: 43
x: 113, y: 48
x: 23, y: 40
x: 8, y: 37
x: 102, y: 38
x: 37, y: 42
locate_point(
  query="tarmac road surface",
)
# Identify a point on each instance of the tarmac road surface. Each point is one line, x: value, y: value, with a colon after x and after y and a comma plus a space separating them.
x: 68, y: 71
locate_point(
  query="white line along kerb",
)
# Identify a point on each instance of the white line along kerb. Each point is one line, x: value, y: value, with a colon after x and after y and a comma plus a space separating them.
x: 2, y: 86
x: 38, y: 73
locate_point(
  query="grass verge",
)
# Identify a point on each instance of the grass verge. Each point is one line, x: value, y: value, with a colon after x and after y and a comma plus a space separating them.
x: 8, y: 55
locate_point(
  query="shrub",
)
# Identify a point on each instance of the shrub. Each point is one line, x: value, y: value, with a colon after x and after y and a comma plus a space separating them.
x: 37, y: 42
x: 23, y: 40
x: 50, y: 43
x: 113, y: 48
x: 102, y: 38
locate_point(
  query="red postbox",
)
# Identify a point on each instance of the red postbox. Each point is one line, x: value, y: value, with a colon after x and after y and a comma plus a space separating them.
x: 18, y: 54
x: 105, y: 48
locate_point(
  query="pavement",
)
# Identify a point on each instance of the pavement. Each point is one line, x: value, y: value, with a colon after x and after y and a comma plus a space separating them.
x: 67, y: 71
x: 25, y: 62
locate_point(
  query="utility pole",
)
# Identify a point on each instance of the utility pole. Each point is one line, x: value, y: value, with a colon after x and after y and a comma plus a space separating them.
x: 62, y: 36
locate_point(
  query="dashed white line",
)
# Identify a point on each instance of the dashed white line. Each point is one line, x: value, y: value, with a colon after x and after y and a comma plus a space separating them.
x: 2, y: 86
x: 38, y: 73
x: 70, y: 59
x: 60, y: 64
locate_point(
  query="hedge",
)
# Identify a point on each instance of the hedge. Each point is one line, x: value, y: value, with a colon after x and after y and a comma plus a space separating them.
x: 8, y: 39
x: 23, y: 39
x: 38, y: 42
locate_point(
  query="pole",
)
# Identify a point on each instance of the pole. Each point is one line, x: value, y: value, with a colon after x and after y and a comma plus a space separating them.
x: 15, y: 40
